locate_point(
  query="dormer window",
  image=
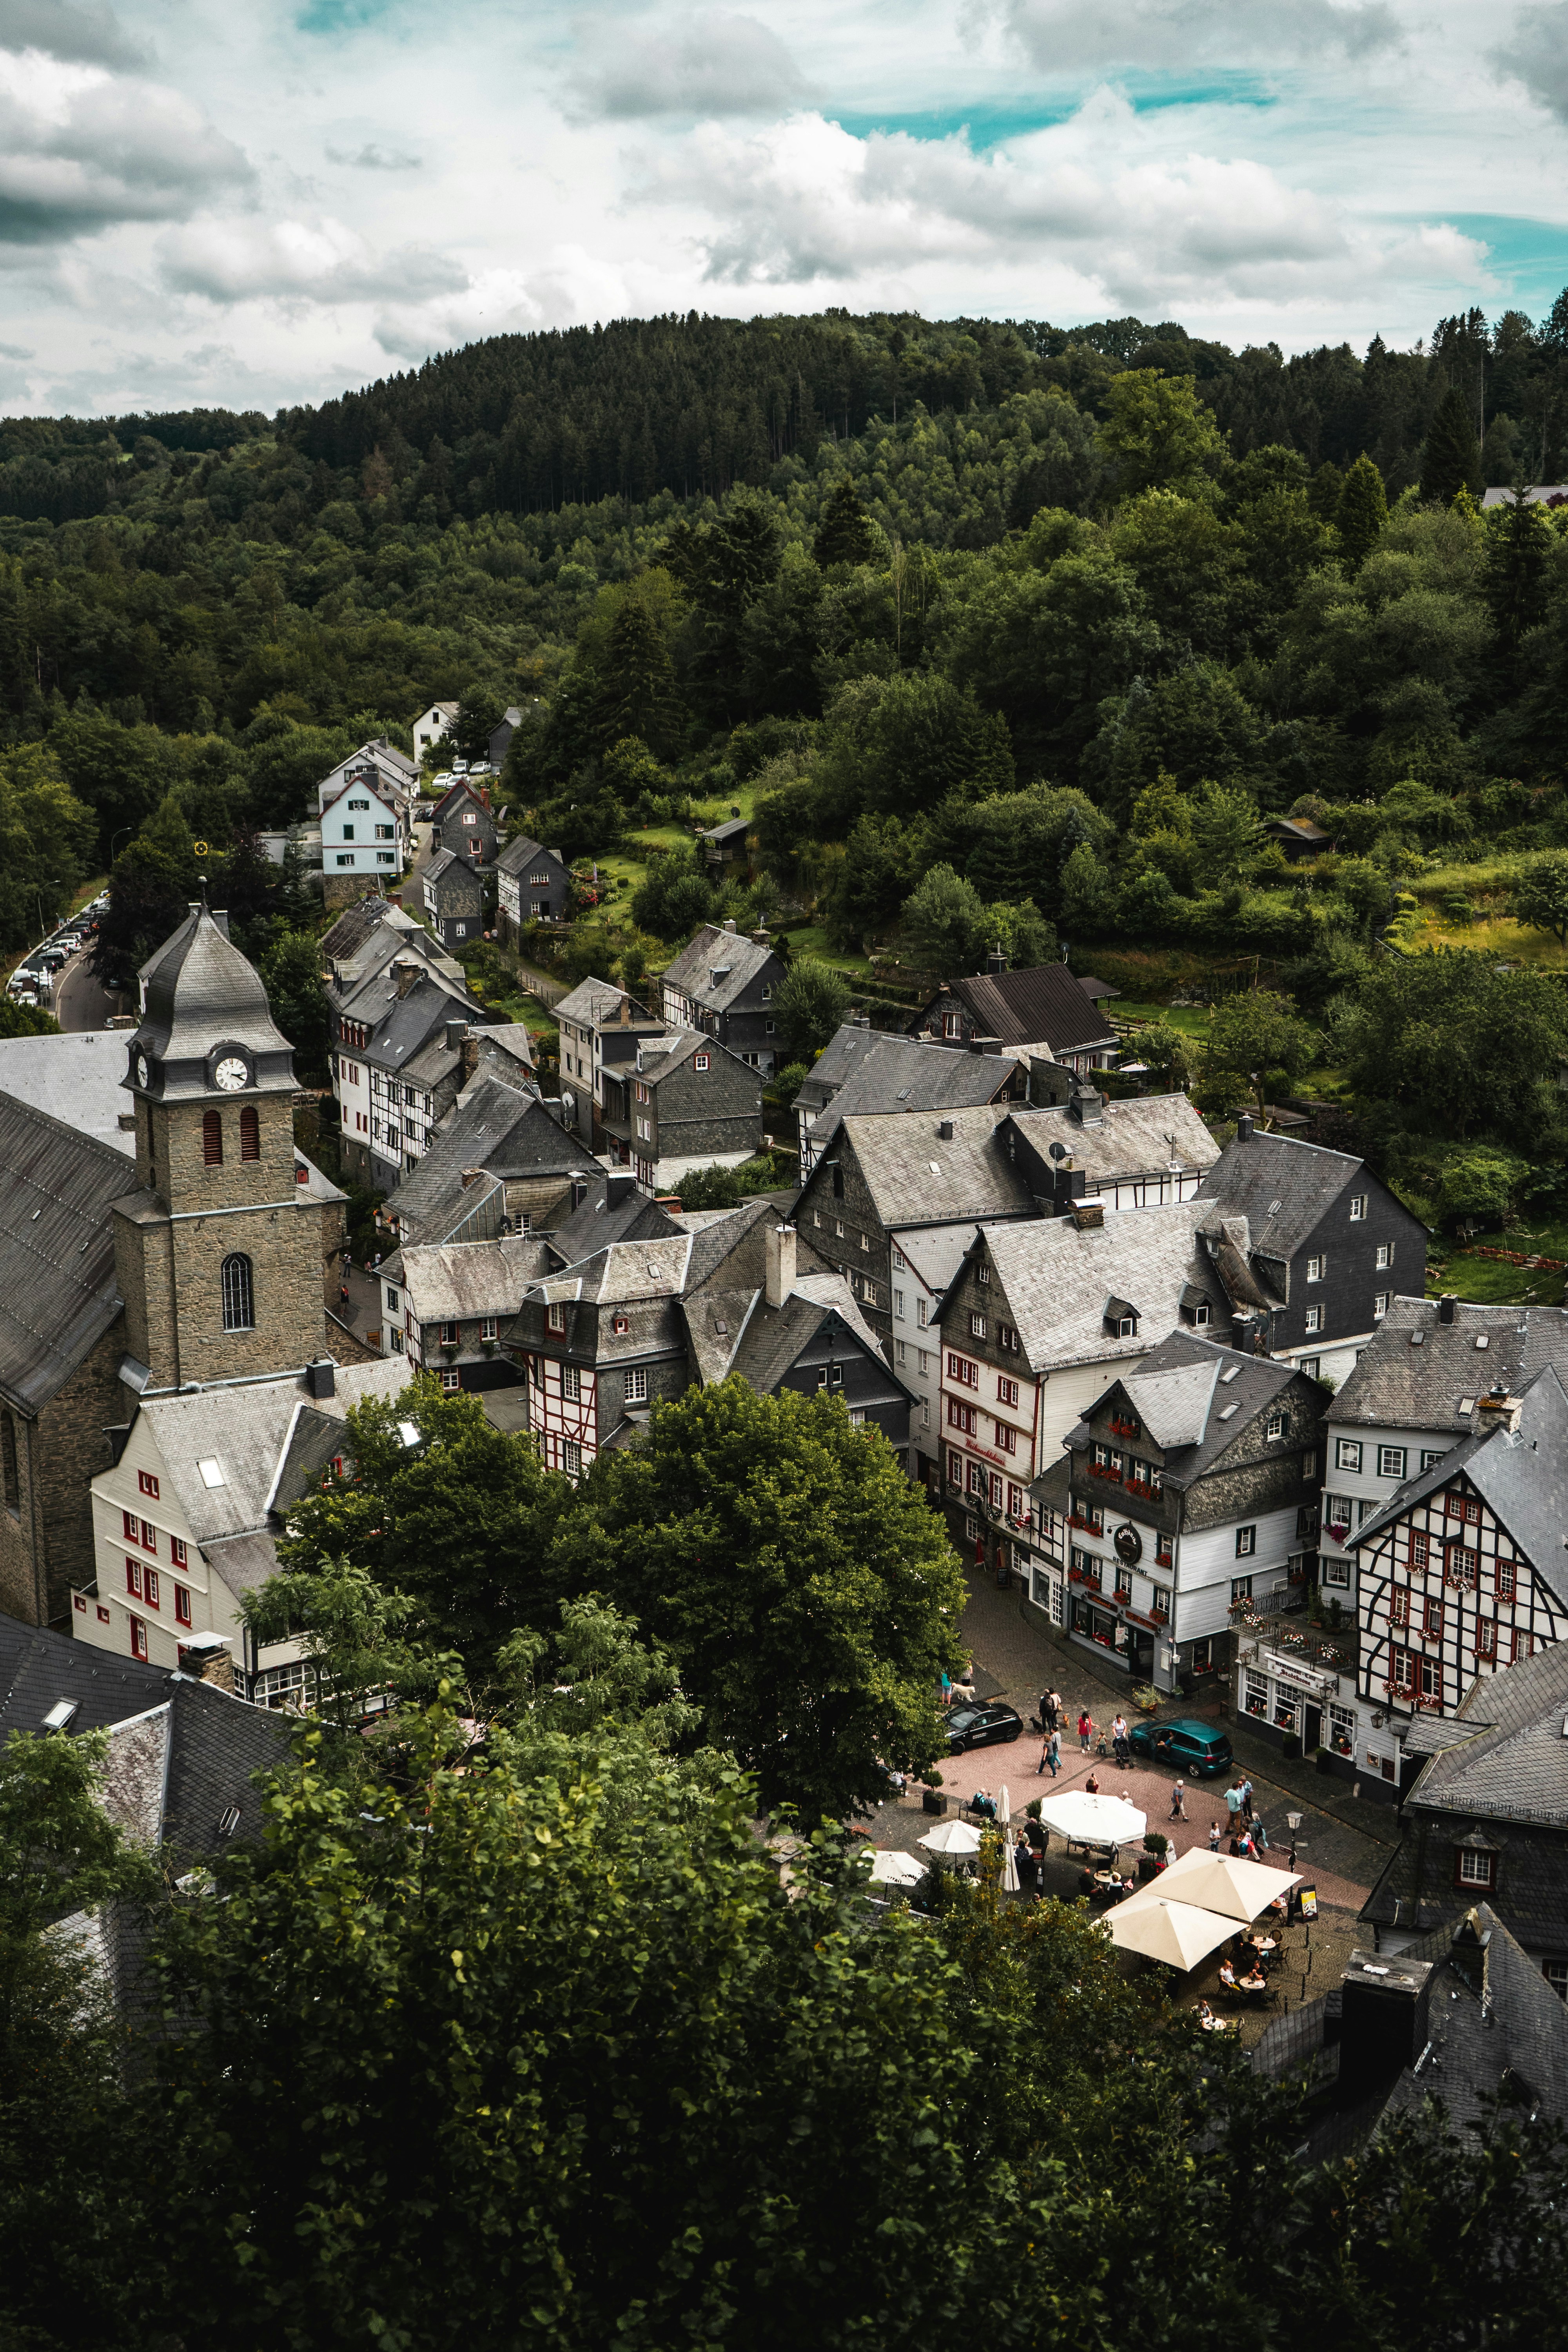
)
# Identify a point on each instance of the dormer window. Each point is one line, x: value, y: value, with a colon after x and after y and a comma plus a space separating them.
x: 1121, y: 1318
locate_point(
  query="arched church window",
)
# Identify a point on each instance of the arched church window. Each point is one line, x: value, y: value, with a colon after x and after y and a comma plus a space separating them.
x: 250, y: 1133
x: 238, y: 1298
x: 211, y: 1139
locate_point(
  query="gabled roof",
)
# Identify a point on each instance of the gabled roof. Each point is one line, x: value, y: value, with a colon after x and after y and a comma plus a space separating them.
x: 444, y: 868
x: 498, y: 1130
x: 355, y: 924
x: 731, y: 826
x: 1283, y: 1188
x: 57, y: 1290
x: 593, y: 1003
x: 1299, y: 828
x: 1044, y: 1006
x: 408, y: 1023
x: 1146, y: 1135
x: 717, y: 966
x: 1513, y: 1765
x: 594, y: 1225
x: 676, y: 1048
x: 1403, y: 1382
x: 460, y: 789
x: 904, y: 1073
x: 1196, y: 1397
x: 918, y: 1177
x: 520, y: 853
x: 1522, y: 1474
x: 1058, y: 1278
x: 454, y: 1281
x: 817, y: 1307
x: 400, y: 940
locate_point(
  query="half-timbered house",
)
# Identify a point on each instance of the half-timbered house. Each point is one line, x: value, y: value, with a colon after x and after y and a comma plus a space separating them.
x: 1464, y: 1571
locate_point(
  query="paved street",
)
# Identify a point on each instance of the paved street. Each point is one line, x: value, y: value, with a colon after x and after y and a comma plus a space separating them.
x: 80, y: 1001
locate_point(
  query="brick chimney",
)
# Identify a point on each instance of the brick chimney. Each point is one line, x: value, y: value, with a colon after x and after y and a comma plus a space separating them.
x: 1497, y: 1410
x: 405, y: 973
x: 779, y: 1264
x: 205, y: 1657
x: 1088, y: 1216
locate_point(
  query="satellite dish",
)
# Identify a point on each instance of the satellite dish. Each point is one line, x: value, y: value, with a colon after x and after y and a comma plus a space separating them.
x: 1059, y: 1152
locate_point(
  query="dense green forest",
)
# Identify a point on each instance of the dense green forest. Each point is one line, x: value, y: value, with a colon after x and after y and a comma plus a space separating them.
x: 995, y: 630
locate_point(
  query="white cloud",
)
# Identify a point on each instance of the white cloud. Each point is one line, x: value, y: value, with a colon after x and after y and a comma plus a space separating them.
x: 1064, y: 36
x: 374, y: 157
x: 79, y: 31
x: 687, y: 67
x: 297, y: 260
x: 80, y: 149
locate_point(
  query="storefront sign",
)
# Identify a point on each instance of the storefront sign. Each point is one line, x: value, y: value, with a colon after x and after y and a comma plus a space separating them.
x: 1306, y: 1902
x: 1300, y: 1677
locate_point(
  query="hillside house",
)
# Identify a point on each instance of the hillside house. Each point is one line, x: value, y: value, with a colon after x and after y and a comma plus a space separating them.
x: 464, y: 822
x: 863, y: 1071
x: 533, y: 883
x: 681, y: 1104
x: 432, y: 727
x: 723, y: 983
x: 1045, y: 1012
x: 453, y: 897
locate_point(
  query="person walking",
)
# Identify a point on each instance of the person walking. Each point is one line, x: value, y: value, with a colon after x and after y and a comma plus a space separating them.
x: 1179, y: 1801
x: 1054, y: 1752
x: 1213, y: 1837
x: 1118, y: 1740
x: 1085, y: 1727
x: 1259, y: 1834
x: 1045, y: 1757
x: 1233, y: 1805
x: 1246, y: 1801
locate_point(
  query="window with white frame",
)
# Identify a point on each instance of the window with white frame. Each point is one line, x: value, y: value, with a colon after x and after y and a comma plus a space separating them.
x: 1315, y: 1269
x: 1391, y: 1461
x: 571, y: 1384
x: 899, y: 1305
x: 922, y: 1312
x: 1430, y: 1455
x: 1241, y: 1588
x: 1245, y: 1542
x: 1334, y: 1571
x: 451, y: 1379
x: 1385, y: 1256
x: 572, y: 1457
x: 1347, y: 1454
x: 636, y: 1386
x: 487, y: 1327
x: 1255, y: 1701
x: 1277, y: 1425
x: 1358, y: 1208
x: 1381, y: 1301
x: 1314, y: 1318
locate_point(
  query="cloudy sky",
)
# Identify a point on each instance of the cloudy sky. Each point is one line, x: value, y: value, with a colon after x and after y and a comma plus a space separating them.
x: 209, y: 203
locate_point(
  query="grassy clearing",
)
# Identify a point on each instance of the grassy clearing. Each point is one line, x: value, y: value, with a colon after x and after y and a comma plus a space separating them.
x: 1192, y: 1020
x: 810, y: 938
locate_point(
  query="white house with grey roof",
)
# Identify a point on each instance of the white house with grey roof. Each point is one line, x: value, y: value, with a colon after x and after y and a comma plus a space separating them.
x: 186, y: 1521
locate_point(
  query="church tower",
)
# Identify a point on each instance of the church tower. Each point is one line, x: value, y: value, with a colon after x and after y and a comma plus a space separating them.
x: 219, y: 1254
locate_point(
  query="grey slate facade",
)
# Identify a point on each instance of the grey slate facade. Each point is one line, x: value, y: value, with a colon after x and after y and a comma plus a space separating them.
x: 1044, y: 1011
x: 454, y: 898
x: 724, y: 984
x: 532, y: 882
x: 684, y: 1103
x: 464, y: 822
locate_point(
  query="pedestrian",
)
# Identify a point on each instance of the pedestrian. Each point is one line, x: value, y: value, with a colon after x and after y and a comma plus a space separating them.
x: 1233, y: 1806
x: 1055, y: 1704
x: 1118, y: 1740
x: 1085, y: 1727
x: 1179, y: 1801
x: 1213, y: 1837
x: 1028, y: 1865
x: 1044, y: 1757
x: 1259, y: 1834
x: 1248, y: 1850
x: 342, y: 1294
x: 1246, y: 1801
x: 1091, y: 1785
x: 1054, y: 1753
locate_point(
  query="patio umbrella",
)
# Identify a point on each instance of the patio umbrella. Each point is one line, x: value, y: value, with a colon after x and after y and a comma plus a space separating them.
x: 952, y: 1837
x: 898, y: 1870
x: 1221, y: 1883
x: 1009, y: 1862
x: 1177, y: 1933
x: 1096, y: 1820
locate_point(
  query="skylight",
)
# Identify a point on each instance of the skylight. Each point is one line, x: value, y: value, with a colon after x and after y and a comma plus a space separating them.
x: 1275, y: 1207
x: 212, y: 1472
x: 1226, y: 1411
x: 1230, y: 1371
x: 60, y: 1715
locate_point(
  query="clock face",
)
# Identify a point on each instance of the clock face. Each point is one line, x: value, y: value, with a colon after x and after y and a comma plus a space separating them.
x: 141, y: 1069
x: 231, y: 1074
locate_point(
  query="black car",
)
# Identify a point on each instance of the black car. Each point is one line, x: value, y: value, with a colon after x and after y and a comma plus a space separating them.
x: 1196, y: 1749
x: 983, y: 1726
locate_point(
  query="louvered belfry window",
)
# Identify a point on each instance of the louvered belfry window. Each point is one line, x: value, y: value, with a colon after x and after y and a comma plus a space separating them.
x: 211, y: 1139
x: 250, y: 1132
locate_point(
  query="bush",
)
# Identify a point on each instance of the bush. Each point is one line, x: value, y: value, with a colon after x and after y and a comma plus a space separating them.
x: 1156, y: 1842
x: 1291, y: 1745
x: 1324, y: 1759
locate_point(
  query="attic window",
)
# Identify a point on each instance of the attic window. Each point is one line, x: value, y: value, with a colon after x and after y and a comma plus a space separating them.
x: 60, y: 1715
x: 620, y: 1324
x: 1230, y: 1372
x: 1482, y: 1339
x: 1275, y: 1207
x: 1226, y: 1411
x: 700, y: 1061
x: 934, y: 1167
x: 720, y: 1327
x: 211, y: 1472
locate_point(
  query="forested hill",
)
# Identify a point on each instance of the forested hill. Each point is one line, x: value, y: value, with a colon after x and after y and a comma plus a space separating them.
x: 692, y: 405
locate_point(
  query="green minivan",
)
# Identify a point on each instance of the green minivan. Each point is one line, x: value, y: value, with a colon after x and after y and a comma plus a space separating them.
x: 1194, y: 1750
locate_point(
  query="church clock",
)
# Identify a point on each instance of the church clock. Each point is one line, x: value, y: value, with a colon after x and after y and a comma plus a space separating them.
x: 232, y: 1074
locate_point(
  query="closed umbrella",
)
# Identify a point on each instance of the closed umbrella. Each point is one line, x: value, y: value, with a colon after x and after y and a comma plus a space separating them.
x: 1177, y: 1933
x: 952, y: 1837
x: 1220, y: 1882
x: 1093, y: 1820
x: 1009, y: 1859
x: 898, y: 1870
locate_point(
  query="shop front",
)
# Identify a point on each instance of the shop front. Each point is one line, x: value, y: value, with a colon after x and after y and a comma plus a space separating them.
x: 1286, y: 1699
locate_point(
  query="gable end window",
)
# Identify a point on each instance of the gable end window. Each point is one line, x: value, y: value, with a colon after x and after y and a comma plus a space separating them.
x: 1245, y: 1542
x: 1475, y: 1866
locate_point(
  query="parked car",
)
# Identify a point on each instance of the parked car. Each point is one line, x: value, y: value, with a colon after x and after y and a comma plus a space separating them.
x: 983, y: 1726
x: 1193, y: 1748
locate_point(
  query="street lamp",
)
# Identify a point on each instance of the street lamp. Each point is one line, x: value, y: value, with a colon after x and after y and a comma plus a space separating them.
x: 1295, y: 1821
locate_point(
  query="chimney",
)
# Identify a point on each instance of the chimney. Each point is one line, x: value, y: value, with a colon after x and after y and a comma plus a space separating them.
x: 944, y: 1130
x: 625, y: 1015
x: 619, y: 1186
x: 471, y: 1176
x: 205, y: 1657
x: 780, y: 1263
x: 1243, y: 1127
x: 996, y: 960
x: 455, y: 1033
x: 1497, y: 1410
x: 484, y: 795
x: 760, y: 936
x: 1088, y: 1216
x: 404, y: 973
x: 1384, y: 2010
x: 672, y: 1203
x: 1445, y: 1307
x: 322, y: 1376
x: 862, y: 1021
x: 730, y: 924
x: 471, y: 1053
x: 1087, y: 1107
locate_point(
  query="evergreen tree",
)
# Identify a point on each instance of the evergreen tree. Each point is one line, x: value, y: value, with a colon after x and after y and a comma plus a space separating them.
x: 1361, y: 513
x: 845, y: 534
x: 1451, y: 460
x: 637, y: 683
x: 1514, y: 575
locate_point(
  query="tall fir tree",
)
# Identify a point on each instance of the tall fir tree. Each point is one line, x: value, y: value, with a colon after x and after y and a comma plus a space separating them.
x: 1362, y: 512
x: 1451, y: 460
x: 637, y: 693
x: 1513, y: 575
x: 846, y: 533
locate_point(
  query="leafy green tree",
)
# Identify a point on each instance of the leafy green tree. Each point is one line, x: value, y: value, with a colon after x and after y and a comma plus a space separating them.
x: 1195, y: 725
x: 1362, y: 516
x: 675, y: 894
x: 1479, y: 1183
x: 1458, y: 1044
x: 845, y: 533
x: 1088, y: 903
x: 899, y: 744
x: 479, y: 712
x: 1046, y: 650
x: 873, y: 880
x: 1451, y: 457
x: 1022, y: 932
x: 291, y: 974
x: 805, y: 1588
x: 48, y: 839
x: 150, y: 889
x: 809, y: 1004
x: 1227, y: 834
x: 1255, y: 1042
x: 946, y: 922
x: 1539, y: 898
x: 1159, y: 437
x: 459, y: 1523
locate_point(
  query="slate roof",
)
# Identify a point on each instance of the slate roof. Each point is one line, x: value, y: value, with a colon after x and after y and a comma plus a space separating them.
x: 713, y: 949
x: 355, y: 925
x: 1513, y: 1765
x: 520, y: 853
x: 1046, y: 1006
x: 443, y: 868
x: 1098, y: 990
x: 201, y: 989
x: 593, y: 1003
x: 916, y: 1177
x: 38, y: 1668
x: 459, y: 789
x: 1252, y: 1175
x: 398, y: 938
x: 776, y: 1338
x: 1196, y: 1397
x: 78, y: 1078
x: 593, y: 1225
x: 494, y: 1128
x: 729, y: 829
x: 905, y: 1074
x: 1522, y: 1475
x: 1508, y: 2029
x: 1144, y: 1135
x: 1056, y: 1279
x: 57, y: 1291
x: 454, y: 1281
x: 371, y: 998
x: 1397, y: 1385
x: 659, y: 1057
x: 410, y: 1023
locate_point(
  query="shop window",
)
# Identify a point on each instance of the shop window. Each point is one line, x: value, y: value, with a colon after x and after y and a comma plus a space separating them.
x: 1342, y: 1730
x: 1256, y: 1700
x: 1286, y: 1712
